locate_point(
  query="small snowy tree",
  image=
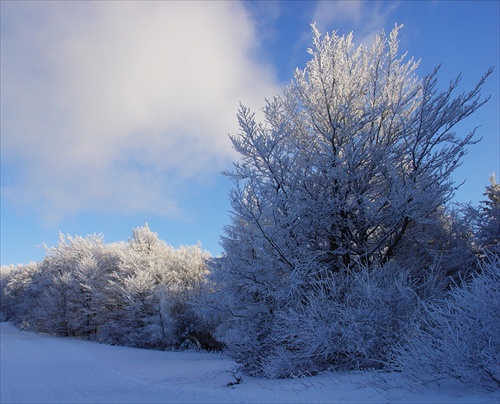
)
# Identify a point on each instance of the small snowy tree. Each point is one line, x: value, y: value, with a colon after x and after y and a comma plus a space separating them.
x: 485, y: 220
x: 351, y: 165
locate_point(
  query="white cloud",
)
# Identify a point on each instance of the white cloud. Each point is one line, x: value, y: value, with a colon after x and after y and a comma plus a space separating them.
x: 365, y: 18
x: 114, y: 105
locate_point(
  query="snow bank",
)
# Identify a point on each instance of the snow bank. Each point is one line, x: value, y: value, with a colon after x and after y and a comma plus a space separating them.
x: 41, y: 368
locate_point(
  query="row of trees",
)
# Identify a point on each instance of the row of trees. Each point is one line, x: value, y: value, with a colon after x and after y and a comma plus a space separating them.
x: 144, y: 293
x: 343, y: 252
x: 133, y: 293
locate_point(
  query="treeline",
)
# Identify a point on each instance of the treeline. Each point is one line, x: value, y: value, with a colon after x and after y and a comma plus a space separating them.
x: 144, y: 293
x: 136, y: 293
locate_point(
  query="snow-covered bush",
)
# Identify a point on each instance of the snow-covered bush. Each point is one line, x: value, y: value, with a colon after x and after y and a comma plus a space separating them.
x: 343, y: 321
x: 457, y: 337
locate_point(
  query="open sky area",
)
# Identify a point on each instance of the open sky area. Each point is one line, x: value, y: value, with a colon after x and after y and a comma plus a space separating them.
x: 114, y: 114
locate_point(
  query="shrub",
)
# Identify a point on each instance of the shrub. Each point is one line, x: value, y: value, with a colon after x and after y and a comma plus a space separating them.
x: 459, y: 336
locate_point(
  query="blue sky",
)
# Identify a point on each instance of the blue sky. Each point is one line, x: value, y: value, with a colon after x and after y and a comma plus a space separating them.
x: 114, y: 114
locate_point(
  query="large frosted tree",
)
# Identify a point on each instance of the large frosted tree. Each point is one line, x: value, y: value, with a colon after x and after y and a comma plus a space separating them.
x: 350, y: 168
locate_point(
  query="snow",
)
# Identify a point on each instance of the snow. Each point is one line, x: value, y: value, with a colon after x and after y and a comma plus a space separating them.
x: 42, y: 368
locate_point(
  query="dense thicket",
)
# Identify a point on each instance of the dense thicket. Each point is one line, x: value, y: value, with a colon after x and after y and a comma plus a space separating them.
x: 135, y: 293
x: 457, y: 336
x: 340, y: 218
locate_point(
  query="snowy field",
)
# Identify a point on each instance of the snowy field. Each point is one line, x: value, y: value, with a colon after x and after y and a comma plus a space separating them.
x: 46, y: 369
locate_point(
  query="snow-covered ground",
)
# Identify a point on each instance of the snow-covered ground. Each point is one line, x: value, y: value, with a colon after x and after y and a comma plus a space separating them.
x: 41, y: 368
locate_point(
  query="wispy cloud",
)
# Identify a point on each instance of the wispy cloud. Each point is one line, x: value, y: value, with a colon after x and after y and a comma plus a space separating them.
x: 365, y: 17
x: 115, y: 105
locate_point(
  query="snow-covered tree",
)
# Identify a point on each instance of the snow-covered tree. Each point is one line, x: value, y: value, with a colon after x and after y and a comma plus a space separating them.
x: 72, y: 281
x: 351, y: 167
x: 134, y: 312
x: 6, y: 301
x: 149, y: 292
x: 485, y: 220
x: 18, y: 292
